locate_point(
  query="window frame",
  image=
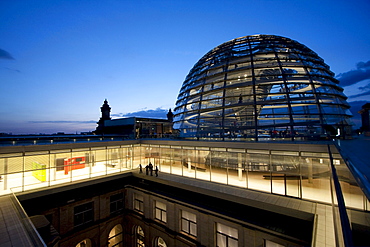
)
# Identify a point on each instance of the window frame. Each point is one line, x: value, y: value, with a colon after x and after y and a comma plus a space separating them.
x: 139, y: 203
x: 160, y: 214
x: 86, y: 214
x: 189, y: 223
x: 228, y: 237
x: 118, y: 203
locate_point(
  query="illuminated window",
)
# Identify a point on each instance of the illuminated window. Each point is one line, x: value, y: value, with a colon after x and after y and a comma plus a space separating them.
x: 160, y: 211
x: 269, y: 243
x: 84, y: 243
x: 83, y: 214
x: 160, y: 242
x: 115, y: 237
x: 140, y: 237
x: 226, y: 236
x: 116, y: 203
x: 189, y: 223
x: 139, y: 203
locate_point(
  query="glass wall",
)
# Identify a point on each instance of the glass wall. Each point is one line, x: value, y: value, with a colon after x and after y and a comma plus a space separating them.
x: 177, y: 163
x: 299, y: 174
x: 31, y: 170
x: 315, y: 176
x: 166, y: 159
x: 202, y: 169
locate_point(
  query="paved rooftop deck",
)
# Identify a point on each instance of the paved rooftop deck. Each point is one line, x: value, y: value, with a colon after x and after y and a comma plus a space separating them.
x: 13, y: 226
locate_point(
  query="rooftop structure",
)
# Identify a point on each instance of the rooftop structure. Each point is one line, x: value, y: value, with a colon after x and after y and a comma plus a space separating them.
x: 282, y: 179
x: 133, y: 127
x: 261, y: 86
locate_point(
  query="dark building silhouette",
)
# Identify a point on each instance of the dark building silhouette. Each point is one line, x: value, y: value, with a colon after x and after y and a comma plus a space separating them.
x: 365, y: 117
x: 134, y: 127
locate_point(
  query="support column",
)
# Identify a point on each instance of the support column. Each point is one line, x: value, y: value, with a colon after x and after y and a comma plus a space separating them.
x: 189, y: 164
x: 5, y: 181
x: 240, y: 167
x: 310, y: 170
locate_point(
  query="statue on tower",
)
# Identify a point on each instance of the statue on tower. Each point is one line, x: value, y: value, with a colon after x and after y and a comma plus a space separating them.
x: 170, y: 116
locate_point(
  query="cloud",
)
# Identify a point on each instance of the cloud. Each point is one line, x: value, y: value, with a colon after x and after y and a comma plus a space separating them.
x: 367, y: 87
x: 15, y: 70
x: 156, y: 113
x: 46, y: 127
x: 360, y: 94
x: 365, y: 90
x: 362, y: 72
x: 5, y: 55
x: 63, y: 122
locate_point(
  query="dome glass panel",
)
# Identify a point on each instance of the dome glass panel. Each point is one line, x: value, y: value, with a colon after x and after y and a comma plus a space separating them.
x: 261, y: 87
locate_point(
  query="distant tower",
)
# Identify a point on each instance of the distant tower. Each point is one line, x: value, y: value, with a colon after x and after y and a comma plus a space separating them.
x: 170, y: 116
x: 105, y: 111
x: 105, y: 115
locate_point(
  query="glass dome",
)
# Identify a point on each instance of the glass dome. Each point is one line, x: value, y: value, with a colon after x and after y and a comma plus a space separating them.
x: 261, y: 87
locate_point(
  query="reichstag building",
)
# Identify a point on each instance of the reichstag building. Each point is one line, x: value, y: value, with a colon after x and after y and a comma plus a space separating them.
x: 262, y: 156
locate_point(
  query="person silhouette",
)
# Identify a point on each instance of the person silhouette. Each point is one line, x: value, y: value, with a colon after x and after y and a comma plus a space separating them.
x: 156, y: 171
x: 151, y: 169
x: 141, y: 168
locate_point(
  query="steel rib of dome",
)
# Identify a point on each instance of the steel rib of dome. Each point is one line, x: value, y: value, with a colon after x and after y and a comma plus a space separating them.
x: 261, y: 86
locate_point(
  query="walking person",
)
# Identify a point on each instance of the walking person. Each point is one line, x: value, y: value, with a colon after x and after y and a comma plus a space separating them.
x: 140, y: 169
x: 151, y: 169
x: 156, y: 171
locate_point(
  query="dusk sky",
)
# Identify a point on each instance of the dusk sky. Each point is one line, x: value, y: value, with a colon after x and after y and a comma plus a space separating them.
x: 59, y: 60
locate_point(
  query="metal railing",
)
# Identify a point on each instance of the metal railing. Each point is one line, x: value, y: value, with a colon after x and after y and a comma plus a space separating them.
x: 343, y: 232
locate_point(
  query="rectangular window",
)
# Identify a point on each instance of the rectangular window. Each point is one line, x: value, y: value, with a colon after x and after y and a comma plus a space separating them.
x: 83, y: 214
x: 160, y: 211
x: 226, y: 236
x: 116, y: 203
x: 189, y: 223
x: 139, y: 203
